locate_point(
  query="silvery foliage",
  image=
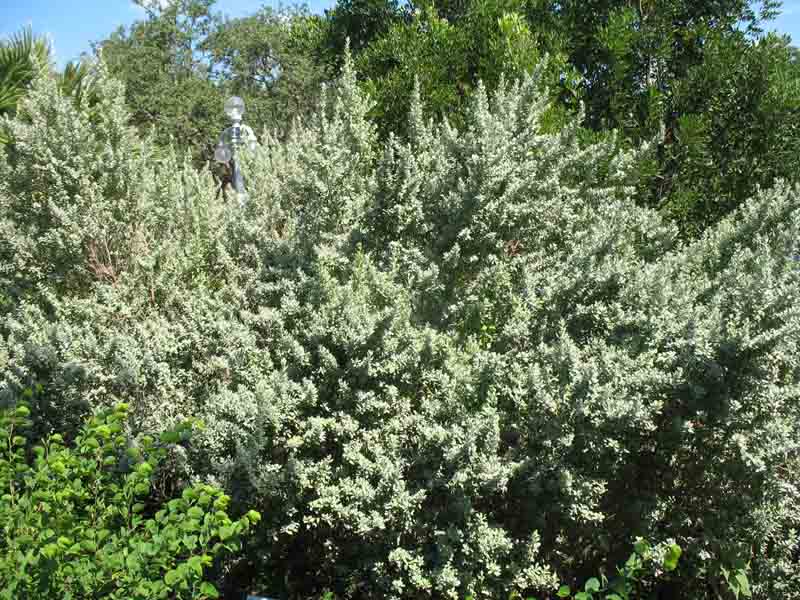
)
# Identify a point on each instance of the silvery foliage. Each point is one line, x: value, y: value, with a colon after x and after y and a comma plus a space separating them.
x: 462, y: 363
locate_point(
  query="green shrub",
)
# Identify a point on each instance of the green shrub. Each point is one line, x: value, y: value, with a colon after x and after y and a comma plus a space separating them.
x: 624, y: 585
x: 463, y: 364
x: 76, y: 522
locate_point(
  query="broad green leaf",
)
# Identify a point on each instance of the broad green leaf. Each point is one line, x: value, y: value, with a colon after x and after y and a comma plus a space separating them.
x: 171, y: 577
x: 744, y: 584
x: 132, y: 562
x: 170, y: 437
x: 671, y: 557
x: 254, y: 516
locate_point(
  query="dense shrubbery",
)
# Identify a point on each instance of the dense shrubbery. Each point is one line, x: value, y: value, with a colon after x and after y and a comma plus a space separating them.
x: 76, y: 521
x: 463, y: 364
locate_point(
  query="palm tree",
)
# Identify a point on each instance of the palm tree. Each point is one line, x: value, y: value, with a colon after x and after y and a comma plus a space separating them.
x: 20, y: 56
x: 72, y: 78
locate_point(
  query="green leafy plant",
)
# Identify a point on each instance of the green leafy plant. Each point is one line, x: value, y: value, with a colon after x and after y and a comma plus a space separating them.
x: 736, y: 580
x: 76, y: 521
x: 624, y: 585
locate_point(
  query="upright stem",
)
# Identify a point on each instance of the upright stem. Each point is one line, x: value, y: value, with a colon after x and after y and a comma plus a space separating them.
x: 238, y: 179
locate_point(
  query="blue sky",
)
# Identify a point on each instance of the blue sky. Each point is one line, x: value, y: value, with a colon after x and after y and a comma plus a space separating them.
x: 789, y: 21
x: 74, y: 24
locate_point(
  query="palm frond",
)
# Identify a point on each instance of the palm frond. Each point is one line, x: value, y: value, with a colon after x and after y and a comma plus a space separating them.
x: 20, y: 57
x: 23, y: 46
x: 72, y: 78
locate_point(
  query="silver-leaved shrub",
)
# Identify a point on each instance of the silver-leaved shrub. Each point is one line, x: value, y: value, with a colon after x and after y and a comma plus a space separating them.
x: 462, y: 363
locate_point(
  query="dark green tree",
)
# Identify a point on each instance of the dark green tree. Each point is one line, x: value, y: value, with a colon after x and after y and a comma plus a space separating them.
x: 181, y: 62
x: 631, y: 53
x: 169, y: 85
x: 700, y: 79
x: 272, y: 59
x: 449, y: 50
x: 360, y: 22
x: 735, y: 126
